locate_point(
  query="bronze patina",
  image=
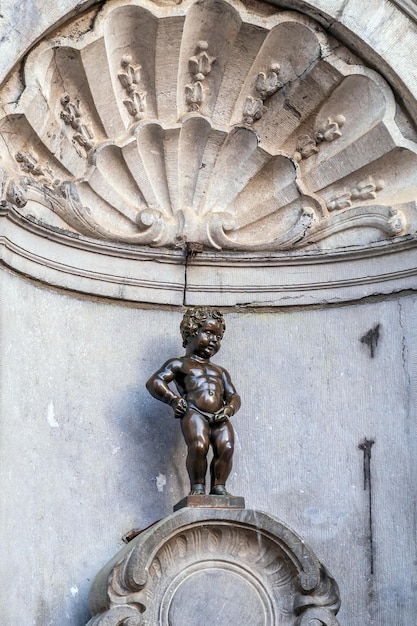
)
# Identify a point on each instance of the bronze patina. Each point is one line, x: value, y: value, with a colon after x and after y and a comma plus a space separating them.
x: 205, y: 400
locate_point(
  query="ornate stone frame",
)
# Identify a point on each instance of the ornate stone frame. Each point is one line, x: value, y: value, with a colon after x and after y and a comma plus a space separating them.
x: 209, y: 278
x: 252, y: 553
x: 74, y: 261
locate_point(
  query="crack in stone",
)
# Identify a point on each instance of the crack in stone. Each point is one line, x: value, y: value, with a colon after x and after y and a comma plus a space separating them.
x: 299, y: 77
x: 404, y: 352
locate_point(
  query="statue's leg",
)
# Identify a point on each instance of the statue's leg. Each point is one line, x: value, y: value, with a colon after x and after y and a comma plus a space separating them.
x: 197, y: 437
x: 223, y: 442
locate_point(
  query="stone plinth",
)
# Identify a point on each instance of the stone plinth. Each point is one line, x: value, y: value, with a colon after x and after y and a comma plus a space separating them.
x: 212, y: 566
x: 211, y: 502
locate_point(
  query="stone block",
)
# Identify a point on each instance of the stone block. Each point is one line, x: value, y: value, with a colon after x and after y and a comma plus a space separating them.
x: 211, y: 502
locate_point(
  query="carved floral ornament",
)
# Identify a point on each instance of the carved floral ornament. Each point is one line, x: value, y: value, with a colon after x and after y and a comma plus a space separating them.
x: 210, y: 123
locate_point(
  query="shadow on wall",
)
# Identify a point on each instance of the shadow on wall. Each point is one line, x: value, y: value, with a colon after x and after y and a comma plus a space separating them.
x: 154, y: 455
x: 139, y: 478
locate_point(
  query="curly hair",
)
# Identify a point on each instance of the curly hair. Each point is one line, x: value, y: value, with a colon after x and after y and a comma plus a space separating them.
x: 195, y: 317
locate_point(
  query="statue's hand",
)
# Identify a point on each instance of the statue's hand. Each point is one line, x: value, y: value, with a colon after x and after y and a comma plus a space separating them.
x: 226, y: 412
x: 180, y: 406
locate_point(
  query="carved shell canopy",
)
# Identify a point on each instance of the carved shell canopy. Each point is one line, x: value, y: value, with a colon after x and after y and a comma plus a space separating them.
x: 206, y: 122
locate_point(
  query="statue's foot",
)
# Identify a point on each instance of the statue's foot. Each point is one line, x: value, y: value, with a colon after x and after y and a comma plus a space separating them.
x: 198, y: 490
x: 219, y: 490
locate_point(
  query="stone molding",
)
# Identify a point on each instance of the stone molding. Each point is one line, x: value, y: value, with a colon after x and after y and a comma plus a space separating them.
x: 409, y: 6
x: 127, y: 273
x: 245, y: 566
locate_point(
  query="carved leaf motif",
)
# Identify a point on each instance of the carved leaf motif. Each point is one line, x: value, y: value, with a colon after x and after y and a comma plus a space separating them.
x: 194, y: 95
x: 125, y: 79
x: 182, y: 546
x: 252, y: 110
x: 213, y: 540
x: 72, y: 109
x: 279, y: 568
x: 130, y: 74
x: 29, y: 162
x: 367, y: 189
x: 199, y: 67
x: 331, y: 130
x: 342, y: 201
x: 267, y: 83
x: 306, y: 147
x: 200, y: 64
x: 72, y: 117
x: 156, y: 568
x: 131, y: 107
x: 129, y: 78
x: 136, y: 105
x: 16, y: 195
x: 85, y: 137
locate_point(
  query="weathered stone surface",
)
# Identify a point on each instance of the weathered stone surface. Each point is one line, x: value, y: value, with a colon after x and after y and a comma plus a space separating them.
x: 170, y: 277
x: 209, y: 567
x: 85, y: 458
x: 281, y: 280
x: 140, y: 130
x: 167, y: 144
x: 211, y: 502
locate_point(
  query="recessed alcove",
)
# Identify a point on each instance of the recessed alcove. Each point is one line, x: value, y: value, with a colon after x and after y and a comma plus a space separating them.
x: 281, y: 189
x: 263, y: 144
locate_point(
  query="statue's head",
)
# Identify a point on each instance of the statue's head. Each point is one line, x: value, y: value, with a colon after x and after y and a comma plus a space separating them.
x: 195, y: 317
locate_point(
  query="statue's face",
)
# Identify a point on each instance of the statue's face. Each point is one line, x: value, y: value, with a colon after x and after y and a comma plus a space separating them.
x: 207, y: 340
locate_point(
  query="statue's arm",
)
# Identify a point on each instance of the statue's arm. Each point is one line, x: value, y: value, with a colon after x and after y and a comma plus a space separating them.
x: 158, y: 386
x: 231, y: 396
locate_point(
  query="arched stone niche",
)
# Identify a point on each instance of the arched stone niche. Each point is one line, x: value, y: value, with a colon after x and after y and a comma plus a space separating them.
x: 80, y: 463
x: 168, y: 157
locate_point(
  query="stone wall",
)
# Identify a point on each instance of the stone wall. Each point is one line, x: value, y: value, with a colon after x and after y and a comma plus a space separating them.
x: 87, y: 454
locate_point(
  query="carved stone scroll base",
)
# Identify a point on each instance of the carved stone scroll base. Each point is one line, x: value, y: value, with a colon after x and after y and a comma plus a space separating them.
x: 215, y: 566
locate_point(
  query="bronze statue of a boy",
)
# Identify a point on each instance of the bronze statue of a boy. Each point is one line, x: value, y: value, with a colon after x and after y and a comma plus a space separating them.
x: 205, y: 401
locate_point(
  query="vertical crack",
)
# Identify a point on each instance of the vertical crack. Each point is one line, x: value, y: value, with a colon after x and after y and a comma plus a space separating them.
x: 404, y: 353
x: 191, y: 249
x: 366, y: 447
x: 184, y: 292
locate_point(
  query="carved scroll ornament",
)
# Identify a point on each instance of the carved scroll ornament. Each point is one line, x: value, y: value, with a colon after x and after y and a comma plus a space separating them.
x: 206, y: 565
x: 224, y: 144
